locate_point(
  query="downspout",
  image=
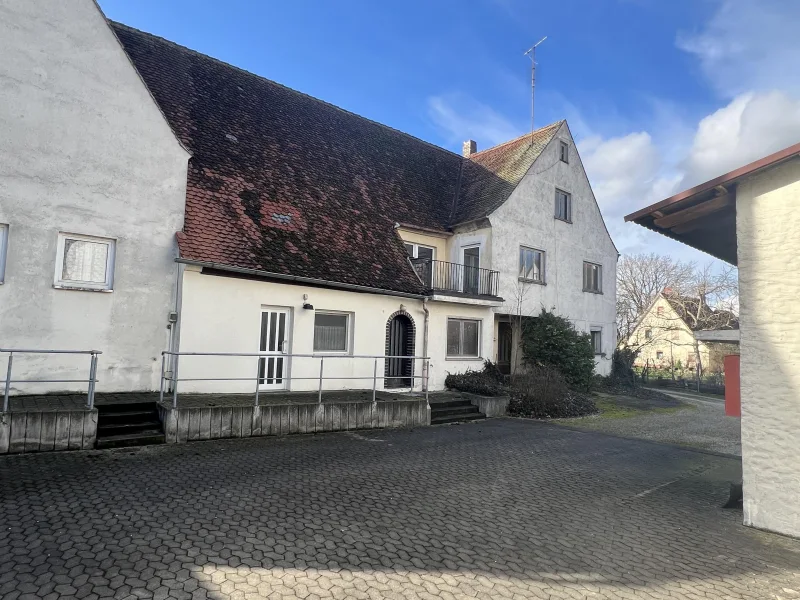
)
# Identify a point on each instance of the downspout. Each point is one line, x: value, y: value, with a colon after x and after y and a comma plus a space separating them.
x: 426, y: 365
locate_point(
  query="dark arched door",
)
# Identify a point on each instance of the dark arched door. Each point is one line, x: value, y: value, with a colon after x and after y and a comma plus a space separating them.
x: 400, y: 342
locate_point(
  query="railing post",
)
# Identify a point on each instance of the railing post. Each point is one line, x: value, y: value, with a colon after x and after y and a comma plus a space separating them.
x: 92, y: 377
x: 8, y: 381
x: 427, y: 379
x: 175, y: 380
x: 161, y: 388
x: 374, y: 380
x: 321, y: 364
x: 258, y: 378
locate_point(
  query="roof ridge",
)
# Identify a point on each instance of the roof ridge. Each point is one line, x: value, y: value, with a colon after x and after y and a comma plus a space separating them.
x: 518, y: 138
x: 286, y: 87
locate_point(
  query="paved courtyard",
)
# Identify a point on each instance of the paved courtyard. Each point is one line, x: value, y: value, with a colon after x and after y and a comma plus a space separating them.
x: 500, y: 509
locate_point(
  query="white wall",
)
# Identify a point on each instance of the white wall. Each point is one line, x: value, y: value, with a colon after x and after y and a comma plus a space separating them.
x: 767, y: 225
x: 527, y: 219
x: 223, y: 314
x: 85, y: 150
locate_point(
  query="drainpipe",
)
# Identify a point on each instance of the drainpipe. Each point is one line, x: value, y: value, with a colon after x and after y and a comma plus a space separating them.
x: 425, y: 364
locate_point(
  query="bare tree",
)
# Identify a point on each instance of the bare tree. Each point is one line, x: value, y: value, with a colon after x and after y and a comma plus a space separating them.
x: 640, y: 278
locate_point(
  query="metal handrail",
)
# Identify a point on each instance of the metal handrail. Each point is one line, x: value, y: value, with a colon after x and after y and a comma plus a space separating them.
x: 443, y: 276
x: 174, y: 379
x: 92, y: 381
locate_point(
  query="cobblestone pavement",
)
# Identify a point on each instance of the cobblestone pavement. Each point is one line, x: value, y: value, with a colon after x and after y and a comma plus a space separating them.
x: 701, y: 424
x: 499, y: 509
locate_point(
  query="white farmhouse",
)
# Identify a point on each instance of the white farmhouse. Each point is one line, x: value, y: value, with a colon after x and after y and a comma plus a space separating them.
x: 312, y: 230
x: 153, y: 198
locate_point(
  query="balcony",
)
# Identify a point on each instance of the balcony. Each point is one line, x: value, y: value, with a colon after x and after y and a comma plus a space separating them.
x: 452, y: 279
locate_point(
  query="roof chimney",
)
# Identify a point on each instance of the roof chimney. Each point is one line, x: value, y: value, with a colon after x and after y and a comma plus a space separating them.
x: 470, y: 147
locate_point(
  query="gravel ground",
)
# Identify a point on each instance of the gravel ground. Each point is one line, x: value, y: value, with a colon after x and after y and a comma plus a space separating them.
x: 699, y: 423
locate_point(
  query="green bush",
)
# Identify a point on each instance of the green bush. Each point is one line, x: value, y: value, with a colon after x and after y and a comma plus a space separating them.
x: 543, y: 393
x: 550, y: 340
x: 487, y: 382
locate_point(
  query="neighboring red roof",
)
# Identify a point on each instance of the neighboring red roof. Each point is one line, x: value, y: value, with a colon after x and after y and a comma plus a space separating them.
x: 704, y: 217
x: 728, y: 178
x: 280, y: 182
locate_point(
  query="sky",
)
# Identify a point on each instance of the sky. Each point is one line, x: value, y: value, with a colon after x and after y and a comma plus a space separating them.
x: 659, y: 95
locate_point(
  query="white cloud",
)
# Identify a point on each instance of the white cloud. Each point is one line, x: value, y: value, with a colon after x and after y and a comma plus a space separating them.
x: 460, y: 117
x: 752, y: 126
x: 749, y: 45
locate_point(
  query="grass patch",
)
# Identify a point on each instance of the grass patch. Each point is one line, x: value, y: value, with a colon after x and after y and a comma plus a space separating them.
x: 623, y: 407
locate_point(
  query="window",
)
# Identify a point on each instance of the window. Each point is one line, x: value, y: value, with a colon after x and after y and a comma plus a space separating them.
x: 331, y: 332
x: 659, y: 355
x: 3, y: 248
x: 463, y: 338
x: 660, y: 311
x: 419, y: 251
x: 648, y: 334
x: 564, y: 152
x: 597, y: 340
x: 84, y: 262
x: 563, y: 206
x: 531, y: 264
x: 592, y: 278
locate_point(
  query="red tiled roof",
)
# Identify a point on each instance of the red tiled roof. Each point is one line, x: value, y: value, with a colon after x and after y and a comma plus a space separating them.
x: 283, y: 183
x: 491, y: 175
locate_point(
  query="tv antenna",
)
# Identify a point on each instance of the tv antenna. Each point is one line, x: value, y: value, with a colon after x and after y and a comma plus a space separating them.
x: 531, y: 53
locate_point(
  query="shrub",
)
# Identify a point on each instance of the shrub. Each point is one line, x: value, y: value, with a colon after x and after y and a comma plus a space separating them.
x: 543, y: 393
x: 552, y: 340
x: 622, y: 366
x: 487, y: 382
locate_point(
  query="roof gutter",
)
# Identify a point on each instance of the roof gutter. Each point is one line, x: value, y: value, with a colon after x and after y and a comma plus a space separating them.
x: 298, y: 279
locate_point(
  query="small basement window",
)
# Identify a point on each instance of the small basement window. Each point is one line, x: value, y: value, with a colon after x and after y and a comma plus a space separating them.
x: 564, y: 152
x: 331, y: 332
x: 531, y: 264
x: 463, y: 338
x: 3, y: 250
x: 563, y: 206
x: 592, y: 278
x: 85, y: 262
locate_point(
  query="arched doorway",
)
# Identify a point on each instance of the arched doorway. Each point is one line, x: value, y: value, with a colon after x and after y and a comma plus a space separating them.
x: 399, y: 342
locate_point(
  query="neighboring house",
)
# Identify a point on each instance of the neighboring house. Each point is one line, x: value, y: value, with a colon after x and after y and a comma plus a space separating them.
x: 750, y: 217
x: 665, y: 334
x: 312, y: 230
x: 92, y: 190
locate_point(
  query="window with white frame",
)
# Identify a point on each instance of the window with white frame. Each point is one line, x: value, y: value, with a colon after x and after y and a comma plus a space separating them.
x: 592, y: 278
x: 597, y: 339
x: 3, y: 250
x: 331, y: 332
x: 85, y: 262
x: 564, y: 152
x: 563, y: 206
x: 420, y: 251
x: 463, y: 338
x: 531, y: 264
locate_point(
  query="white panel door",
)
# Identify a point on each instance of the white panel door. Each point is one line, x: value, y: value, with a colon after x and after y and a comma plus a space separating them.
x: 272, y: 370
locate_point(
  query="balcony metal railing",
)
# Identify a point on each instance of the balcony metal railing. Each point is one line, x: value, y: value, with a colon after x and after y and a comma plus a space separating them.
x: 92, y: 381
x: 441, y: 276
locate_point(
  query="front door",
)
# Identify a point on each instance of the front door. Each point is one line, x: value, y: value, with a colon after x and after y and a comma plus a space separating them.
x: 400, y: 342
x: 274, y: 338
x: 472, y: 263
x: 504, y: 341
